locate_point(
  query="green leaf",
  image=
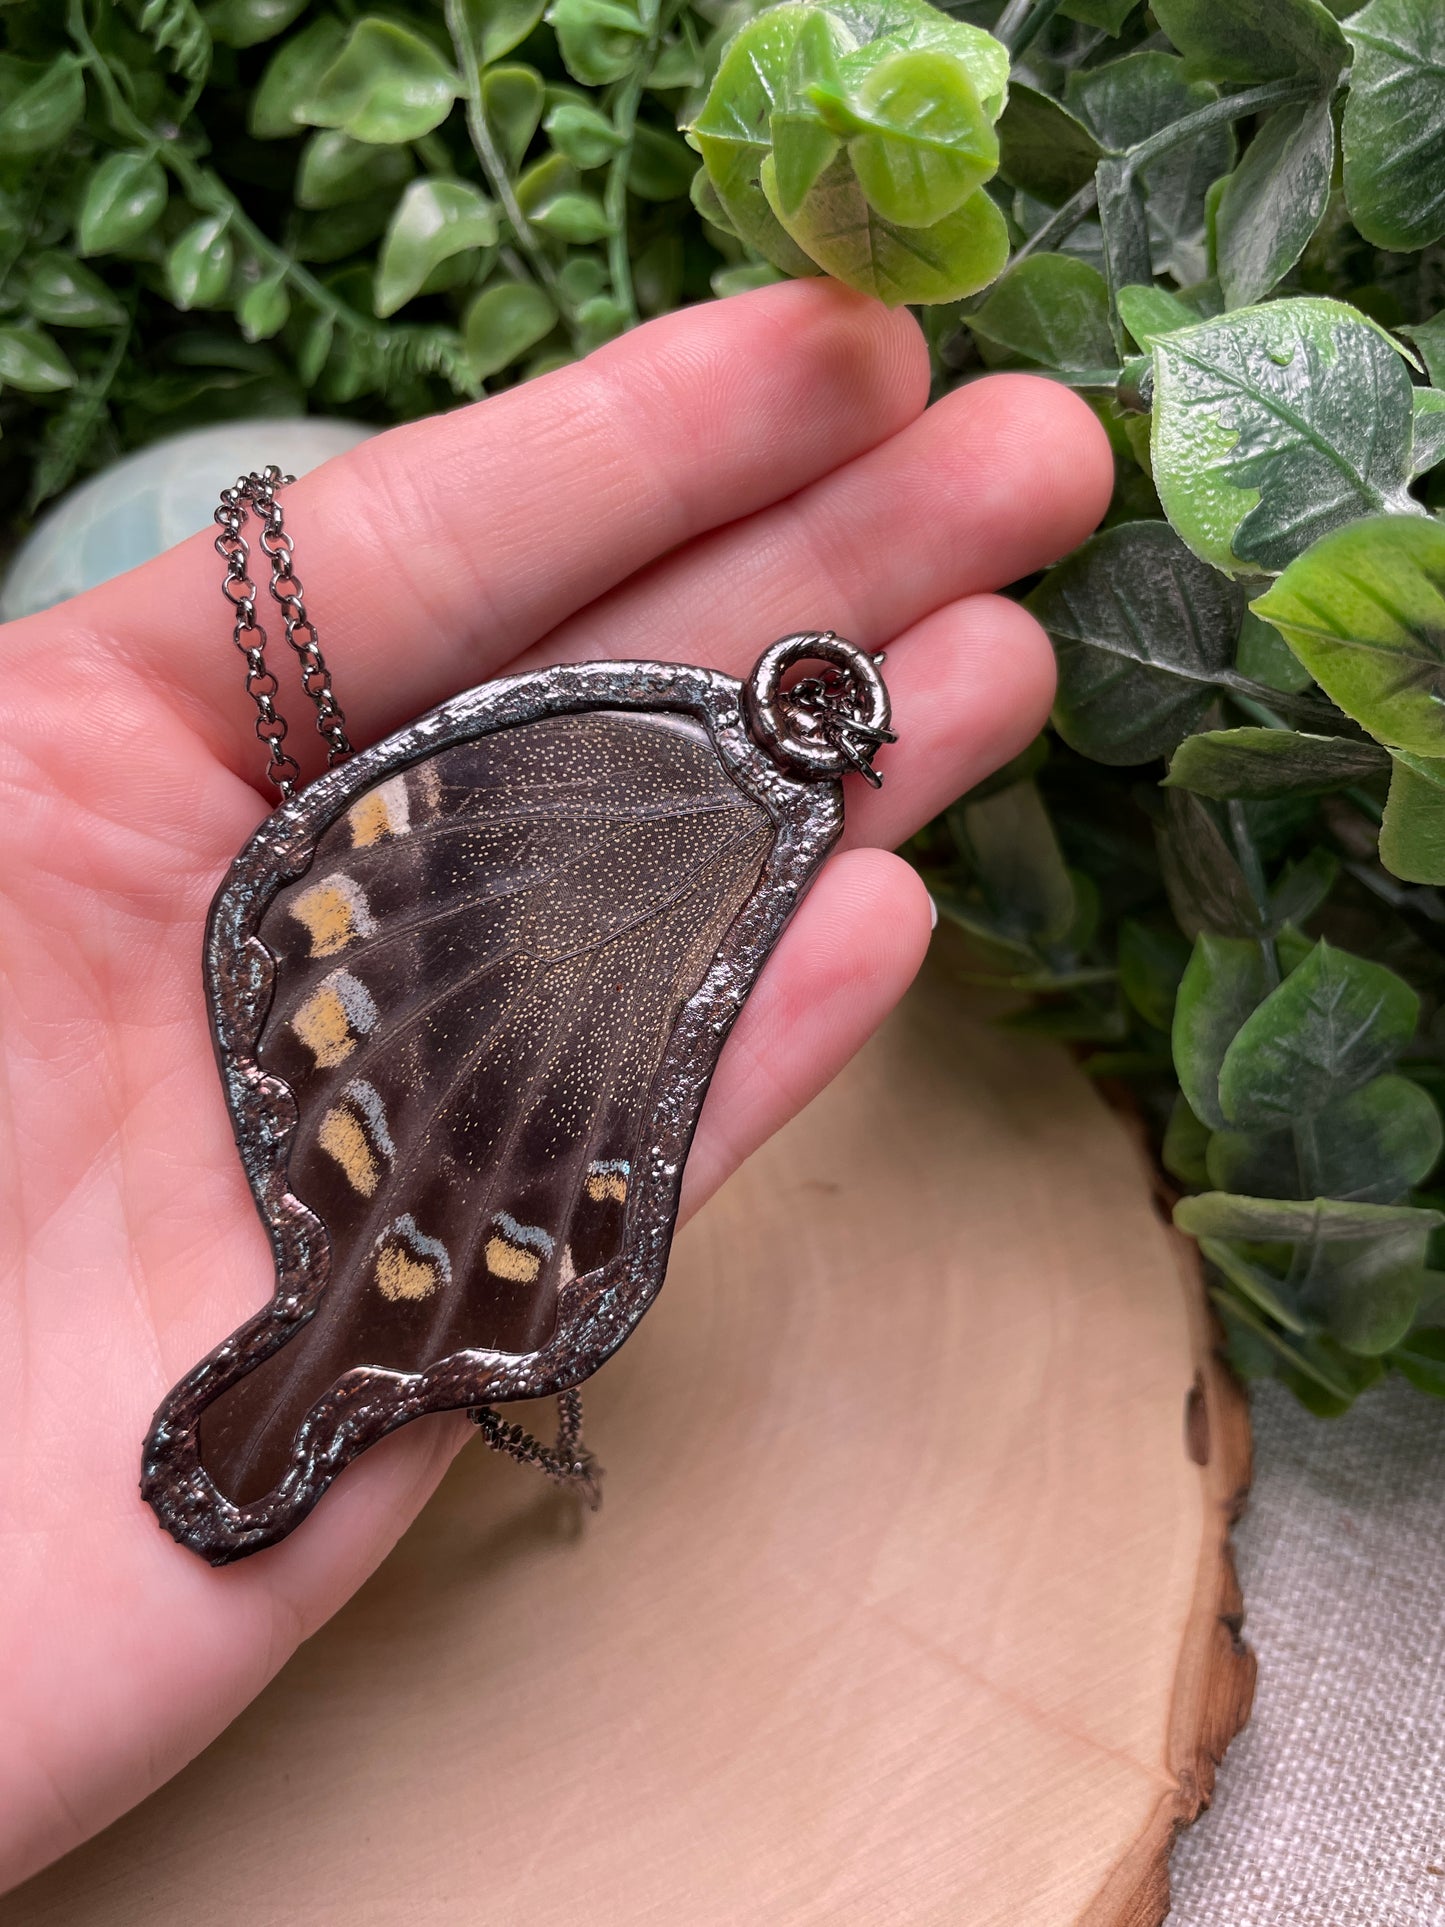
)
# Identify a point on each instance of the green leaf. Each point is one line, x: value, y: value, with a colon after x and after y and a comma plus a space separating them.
x: 598, y: 39
x: 1224, y: 982
x: 1148, y: 312
x: 918, y: 138
x: 1364, y: 610
x: 1369, y: 1147
x: 1427, y: 445
x: 264, y: 308
x: 1253, y: 1281
x: 1333, y: 1024
x: 291, y: 78
x: 123, y: 200
x: 506, y: 319
x: 434, y: 220
x: 336, y: 168
x: 588, y: 138
x: 1420, y: 1358
x: 952, y: 258
x: 576, y: 218
x: 43, y: 114
x: 386, y: 85
x: 198, y: 267
x: 246, y: 23
x: 1052, y: 309
x: 1394, y: 123
x: 512, y: 101
x: 733, y: 134
x: 1412, y: 836
x: 1043, y: 148
x: 1258, y: 763
x: 1143, y: 632
x: 661, y: 167
x: 176, y: 30
x: 1125, y: 102
x: 1276, y: 424
x: 1245, y: 43
x: 1185, y: 1142
x: 1020, y: 866
x: 59, y: 290
x: 497, y: 26
x: 1152, y: 960
x: 32, y: 362
x: 1429, y: 338
x: 1207, y: 890
x: 1272, y: 203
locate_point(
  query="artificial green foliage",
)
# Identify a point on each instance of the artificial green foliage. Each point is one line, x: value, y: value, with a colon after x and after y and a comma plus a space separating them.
x: 1220, y: 875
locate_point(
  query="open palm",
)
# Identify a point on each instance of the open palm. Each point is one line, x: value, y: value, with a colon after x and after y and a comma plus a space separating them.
x: 704, y: 485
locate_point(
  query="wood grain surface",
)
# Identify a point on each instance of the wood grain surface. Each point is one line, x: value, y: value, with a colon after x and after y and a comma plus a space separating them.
x: 910, y: 1600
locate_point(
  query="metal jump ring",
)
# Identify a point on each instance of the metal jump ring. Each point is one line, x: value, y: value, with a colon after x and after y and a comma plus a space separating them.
x: 806, y: 741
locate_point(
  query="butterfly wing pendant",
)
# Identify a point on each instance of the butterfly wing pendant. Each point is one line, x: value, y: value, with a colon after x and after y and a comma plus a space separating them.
x: 467, y: 992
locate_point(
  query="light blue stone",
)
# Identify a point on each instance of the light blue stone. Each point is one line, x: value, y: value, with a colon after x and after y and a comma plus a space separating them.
x: 154, y: 498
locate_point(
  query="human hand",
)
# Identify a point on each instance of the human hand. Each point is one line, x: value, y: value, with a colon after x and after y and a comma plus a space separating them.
x: 705, y: 484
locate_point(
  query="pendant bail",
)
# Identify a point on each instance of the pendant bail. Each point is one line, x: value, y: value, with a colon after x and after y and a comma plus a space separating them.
x: 821, y: 725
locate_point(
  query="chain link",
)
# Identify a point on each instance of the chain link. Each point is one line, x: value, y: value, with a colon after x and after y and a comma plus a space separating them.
x: 257, y: 494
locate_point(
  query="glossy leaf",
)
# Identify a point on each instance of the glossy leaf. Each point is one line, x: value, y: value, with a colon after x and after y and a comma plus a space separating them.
x: 386, y: 85
x: 504, y: 321
x: 59, y: 290
x: 44, y: 113
x: 1333, y: 1024
x: 587, y: 137
x: 32, y: 362
x: 1394, y: 123
x: 1274, y: 200
x: 1412, y: 836
x: 264, y: 308
x: 1364, y: 610
x: 1052, y: 309
x: 847, y: 238
x: 917, y: 136
x: 1276, y: 424
x: 245, y: 23
x: 1244, y: 42
x: 1148, y: 312
x: 1043, y: 148
x: 1124, y: 102
x: 599, y: 39
x: 291, y: 78
x: 497, y: 26
x: 198, y: 267
x: 123, y: 200
x: 1142, y: 631
x: 1258, y: 763
x: 434, y: 220
x: 576, y: 218
x: 336, y: 168
x: 512, y: 101
x: 1429, y: 338
x: 661, y: 166
x: 1224, y: 982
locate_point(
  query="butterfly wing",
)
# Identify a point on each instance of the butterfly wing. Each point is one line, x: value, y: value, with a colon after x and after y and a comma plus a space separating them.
x: 472, y: 993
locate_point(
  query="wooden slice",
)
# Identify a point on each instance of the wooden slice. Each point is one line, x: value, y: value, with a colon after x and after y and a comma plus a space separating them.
x: 910, y: 1600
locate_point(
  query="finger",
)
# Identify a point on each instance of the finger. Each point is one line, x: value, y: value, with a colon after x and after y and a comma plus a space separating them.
x: 849, y: 954
x: 431, y: 555
x: 994, y: 481
x: 971, y: 686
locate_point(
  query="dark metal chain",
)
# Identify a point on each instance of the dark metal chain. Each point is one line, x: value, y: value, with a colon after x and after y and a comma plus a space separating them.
x: 257, y: 493
x: 568, y: 1463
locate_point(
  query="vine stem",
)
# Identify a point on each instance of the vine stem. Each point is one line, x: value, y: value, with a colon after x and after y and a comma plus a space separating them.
x: 490, y: 160
x: 656, y: 18
x: 1063, y: 221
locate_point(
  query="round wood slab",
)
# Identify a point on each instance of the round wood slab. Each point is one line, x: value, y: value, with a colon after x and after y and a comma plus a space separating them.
x: 910, y: 1600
